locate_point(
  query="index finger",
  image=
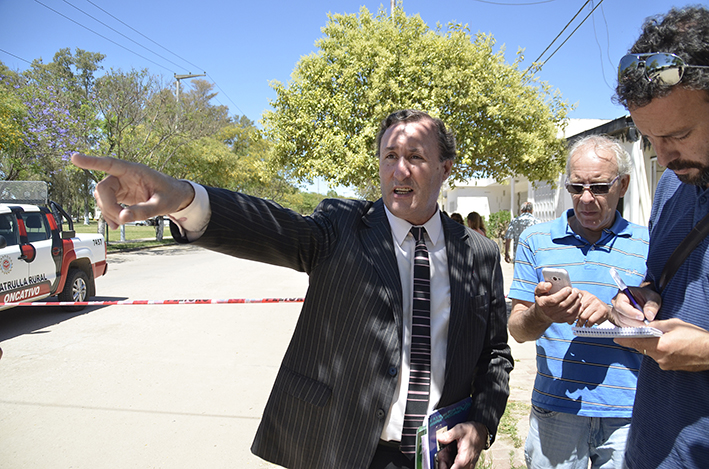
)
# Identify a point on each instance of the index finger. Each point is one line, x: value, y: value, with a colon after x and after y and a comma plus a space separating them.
x: 111, y: 166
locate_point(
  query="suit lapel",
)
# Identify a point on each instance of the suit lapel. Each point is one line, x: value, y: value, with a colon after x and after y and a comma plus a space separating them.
x: 378, y: 246
x: 460, y: 268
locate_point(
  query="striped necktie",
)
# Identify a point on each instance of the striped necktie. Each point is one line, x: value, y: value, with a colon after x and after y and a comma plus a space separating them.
x: 420, y: 377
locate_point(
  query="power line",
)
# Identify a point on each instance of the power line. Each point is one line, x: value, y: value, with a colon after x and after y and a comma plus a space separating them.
x: 161, y: 46
x: 600, y: 50
x: 227, y: 96
x: 557, y: 37
x: 146, y: 37
x: 515, y: 4
x: 104, y: 37
x: 131, y: 51
x: 608, y: 39
x: 572, y: 33
x: 118, y: 32
x: 15, y: 56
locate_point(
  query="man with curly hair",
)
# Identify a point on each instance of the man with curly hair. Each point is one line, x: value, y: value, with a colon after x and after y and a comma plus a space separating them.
x: 664, y: 83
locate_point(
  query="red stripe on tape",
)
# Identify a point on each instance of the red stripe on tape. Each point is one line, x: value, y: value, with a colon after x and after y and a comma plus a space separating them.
x: 159, y: 302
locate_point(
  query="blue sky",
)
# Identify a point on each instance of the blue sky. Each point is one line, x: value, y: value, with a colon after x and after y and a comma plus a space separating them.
x: 243, y: 45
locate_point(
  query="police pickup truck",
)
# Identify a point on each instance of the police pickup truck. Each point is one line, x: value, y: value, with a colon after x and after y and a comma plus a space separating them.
x: 38, y: 258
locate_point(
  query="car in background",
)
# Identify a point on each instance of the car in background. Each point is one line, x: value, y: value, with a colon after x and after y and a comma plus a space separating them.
x: 38, y: 258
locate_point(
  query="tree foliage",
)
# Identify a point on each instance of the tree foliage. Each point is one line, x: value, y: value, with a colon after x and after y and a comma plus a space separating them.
x: 498, y: 223
x: 54, y: 116
x: 12, y: 113
x: 325, y: 120
x: 51, y: 110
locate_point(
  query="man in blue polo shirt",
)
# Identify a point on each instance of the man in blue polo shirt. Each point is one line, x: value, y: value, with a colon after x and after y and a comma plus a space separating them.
x: 664, y: 83
x: 584, y: 389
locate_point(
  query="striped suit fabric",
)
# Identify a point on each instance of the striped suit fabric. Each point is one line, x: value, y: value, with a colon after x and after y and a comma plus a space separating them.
x: 338, y: 377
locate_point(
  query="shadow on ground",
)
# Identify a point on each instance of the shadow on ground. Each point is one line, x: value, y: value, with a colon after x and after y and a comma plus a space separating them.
x: 22, y: 320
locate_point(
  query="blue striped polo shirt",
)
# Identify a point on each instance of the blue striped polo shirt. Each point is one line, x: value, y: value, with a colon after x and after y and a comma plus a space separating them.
x: 590, y: 377
x: 670, y: 426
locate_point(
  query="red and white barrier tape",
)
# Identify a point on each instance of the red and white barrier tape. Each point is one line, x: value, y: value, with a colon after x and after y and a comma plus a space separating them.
x: 158, y: 302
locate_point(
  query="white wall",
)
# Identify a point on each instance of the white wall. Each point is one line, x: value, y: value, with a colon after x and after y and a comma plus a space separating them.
x: 473, y: 204
x: 482, y: 196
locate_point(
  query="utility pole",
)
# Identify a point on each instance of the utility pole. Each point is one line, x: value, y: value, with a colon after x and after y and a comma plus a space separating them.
x: 182, y: 77
x: 159, y: 226
x: 393, y: 4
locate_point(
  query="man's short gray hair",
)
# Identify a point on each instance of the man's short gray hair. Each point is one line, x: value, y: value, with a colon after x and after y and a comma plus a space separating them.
x: 526, y: 207
x: 603, y: 143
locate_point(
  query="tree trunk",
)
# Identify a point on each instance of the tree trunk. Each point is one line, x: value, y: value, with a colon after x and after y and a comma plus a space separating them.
x: 103, y: 228
x: 159, y: 227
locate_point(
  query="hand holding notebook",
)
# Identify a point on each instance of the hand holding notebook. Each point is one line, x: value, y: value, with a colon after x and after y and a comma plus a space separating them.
x: 609, y: 330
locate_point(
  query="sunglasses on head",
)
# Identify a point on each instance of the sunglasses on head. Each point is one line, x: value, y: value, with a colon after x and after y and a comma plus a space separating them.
x: 596, y: 188
x: 661, y: 67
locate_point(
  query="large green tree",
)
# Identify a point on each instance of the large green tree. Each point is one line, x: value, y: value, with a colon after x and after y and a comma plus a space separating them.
x: 174, y: 128
x: 122, y: 99
x: 325, y: 120
x: 144, y: 122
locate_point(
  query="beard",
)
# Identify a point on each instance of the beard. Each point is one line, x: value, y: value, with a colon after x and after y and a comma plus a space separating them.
x: 699, y: 179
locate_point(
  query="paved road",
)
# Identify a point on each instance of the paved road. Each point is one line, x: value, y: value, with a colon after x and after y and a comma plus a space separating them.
x: 146, y: 386
x: 155, y: 386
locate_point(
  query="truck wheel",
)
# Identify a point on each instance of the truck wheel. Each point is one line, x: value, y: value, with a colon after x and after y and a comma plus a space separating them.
x: 76, y: 288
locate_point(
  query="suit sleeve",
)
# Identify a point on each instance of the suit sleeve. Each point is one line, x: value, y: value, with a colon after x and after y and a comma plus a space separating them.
x: 490, y: 388
x: 256, y: 229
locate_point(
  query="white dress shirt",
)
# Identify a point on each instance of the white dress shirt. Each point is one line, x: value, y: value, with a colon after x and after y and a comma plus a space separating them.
x: 404, y: 247
x: 194, y: 218
x: 193, y: 221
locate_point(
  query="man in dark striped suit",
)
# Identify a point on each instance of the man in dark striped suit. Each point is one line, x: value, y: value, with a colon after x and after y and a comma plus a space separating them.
x: 341, y: 398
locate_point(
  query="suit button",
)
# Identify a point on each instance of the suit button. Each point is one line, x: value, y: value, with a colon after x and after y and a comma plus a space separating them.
x: 381, y: 414
x: 393, y: 371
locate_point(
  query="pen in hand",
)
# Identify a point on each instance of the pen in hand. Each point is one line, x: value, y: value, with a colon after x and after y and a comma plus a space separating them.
x: 624, y: 288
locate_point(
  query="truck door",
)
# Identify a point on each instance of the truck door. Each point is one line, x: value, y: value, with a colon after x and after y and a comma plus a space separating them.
x: 13, y: 271
x: 42, y: 270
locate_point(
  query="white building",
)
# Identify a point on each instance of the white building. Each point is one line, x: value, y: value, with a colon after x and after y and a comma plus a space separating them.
x: 487, y: 196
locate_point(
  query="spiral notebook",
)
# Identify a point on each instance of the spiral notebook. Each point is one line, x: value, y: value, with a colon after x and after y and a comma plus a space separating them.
x: 605, y: 331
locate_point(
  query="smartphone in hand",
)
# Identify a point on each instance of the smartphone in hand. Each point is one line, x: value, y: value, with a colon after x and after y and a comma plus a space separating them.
x: 559, y: 278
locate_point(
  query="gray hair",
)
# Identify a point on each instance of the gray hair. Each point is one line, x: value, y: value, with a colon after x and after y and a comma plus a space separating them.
x: 526, y: 207
x: 603, y: 143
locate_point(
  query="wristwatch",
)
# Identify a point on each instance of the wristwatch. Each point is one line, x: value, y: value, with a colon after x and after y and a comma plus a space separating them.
x: 490, y: 438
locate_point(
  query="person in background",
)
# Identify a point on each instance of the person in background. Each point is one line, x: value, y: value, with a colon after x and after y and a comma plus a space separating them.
x: 517, y: 226
x: 584, y: 389
x: 378, y: 271
x: 476, y: 222
x: 664, y: 83
x: 457, y: 217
